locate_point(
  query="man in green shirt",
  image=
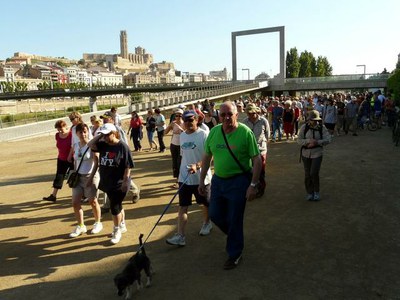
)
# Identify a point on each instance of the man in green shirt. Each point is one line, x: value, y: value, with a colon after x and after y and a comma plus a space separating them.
x: 234, y: 181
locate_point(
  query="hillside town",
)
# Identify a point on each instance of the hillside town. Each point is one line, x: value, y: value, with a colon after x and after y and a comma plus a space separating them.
x: 28, y: 72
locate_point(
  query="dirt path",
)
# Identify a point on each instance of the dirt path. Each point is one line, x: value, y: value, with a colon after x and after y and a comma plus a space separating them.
x: 343, y: 247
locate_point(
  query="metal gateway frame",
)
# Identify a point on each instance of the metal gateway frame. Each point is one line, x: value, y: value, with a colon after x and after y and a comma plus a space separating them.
x: 280, y: 29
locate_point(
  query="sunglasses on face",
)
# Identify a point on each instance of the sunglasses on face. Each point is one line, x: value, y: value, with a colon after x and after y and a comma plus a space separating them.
x: 71, y: 119
x: 189, y: 120
x: 178, y: 116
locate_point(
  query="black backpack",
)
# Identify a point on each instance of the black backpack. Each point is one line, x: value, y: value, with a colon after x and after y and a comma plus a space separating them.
x: 308, y: 128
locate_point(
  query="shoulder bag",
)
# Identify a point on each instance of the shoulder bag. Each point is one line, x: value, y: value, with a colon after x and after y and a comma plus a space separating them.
x: 73, y: 178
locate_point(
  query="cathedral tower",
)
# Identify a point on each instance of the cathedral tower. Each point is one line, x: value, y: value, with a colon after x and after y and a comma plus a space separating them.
x: 123, y: 37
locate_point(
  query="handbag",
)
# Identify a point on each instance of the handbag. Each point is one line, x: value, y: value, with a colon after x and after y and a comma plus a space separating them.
x: 73, y: 178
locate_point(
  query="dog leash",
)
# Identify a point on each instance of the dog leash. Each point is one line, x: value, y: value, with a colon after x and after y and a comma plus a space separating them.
x: 165, y: 210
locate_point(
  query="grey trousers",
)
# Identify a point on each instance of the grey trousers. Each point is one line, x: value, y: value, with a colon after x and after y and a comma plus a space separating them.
x: 311, y: 170
x: 134, y: 189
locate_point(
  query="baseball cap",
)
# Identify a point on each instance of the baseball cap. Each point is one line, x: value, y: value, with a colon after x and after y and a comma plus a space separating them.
x: 106, y: 115
x: 181, y: 106
x: 189, y: 113
x: 107, y: 128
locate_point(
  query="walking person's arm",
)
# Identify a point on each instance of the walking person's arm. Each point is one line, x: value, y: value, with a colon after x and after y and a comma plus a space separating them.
x: 252, y: 189
x: 205, y: 165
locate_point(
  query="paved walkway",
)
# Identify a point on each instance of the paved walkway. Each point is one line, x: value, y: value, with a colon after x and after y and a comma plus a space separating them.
x: 343, y: 247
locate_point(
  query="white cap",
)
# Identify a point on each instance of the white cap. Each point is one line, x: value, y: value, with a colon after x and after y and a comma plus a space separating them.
x: 107, y: 128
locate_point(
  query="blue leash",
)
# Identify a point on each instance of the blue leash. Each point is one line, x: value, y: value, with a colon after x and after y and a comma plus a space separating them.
x: 165, y: 210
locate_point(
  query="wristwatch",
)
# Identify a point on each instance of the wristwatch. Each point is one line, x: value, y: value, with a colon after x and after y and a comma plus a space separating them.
x: 253, y: 184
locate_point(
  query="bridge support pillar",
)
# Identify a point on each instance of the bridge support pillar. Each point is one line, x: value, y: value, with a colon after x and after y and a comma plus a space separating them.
x: 93, y: 103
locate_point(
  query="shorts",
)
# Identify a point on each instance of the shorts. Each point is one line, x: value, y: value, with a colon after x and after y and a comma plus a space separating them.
x: 186, y: 192
x: 89, y: 192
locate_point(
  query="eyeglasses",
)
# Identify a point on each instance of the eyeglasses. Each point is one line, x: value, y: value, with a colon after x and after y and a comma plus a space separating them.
x: 178, y: 116
x: 226, y: 115
x: 190, y: 120
x: 71, y: 119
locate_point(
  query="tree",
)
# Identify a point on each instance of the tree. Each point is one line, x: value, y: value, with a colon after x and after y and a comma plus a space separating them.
x: 307, y: 64
x: 323, y: 68
x: 292, y: 63
x: 385, y: 71
x: 393, y: 85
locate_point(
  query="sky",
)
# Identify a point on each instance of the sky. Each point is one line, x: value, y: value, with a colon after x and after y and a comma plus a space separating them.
x: 196, y: 34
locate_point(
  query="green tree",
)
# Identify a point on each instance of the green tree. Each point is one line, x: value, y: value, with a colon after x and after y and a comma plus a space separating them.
x: 307, y: 64
x: 292, y: 63
x: 393, y: 84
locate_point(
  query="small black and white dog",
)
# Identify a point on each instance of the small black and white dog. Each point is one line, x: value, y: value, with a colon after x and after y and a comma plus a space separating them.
x: 131, y: 272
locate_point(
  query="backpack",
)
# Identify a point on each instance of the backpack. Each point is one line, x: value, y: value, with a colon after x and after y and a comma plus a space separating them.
x: 308, y: 127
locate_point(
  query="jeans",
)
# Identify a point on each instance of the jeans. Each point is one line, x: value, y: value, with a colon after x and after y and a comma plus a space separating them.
x: 227, y: 205
x: 276, y: 125
x: 311, y: 170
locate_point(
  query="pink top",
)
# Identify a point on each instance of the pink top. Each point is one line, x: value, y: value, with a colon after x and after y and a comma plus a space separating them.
x: 63, y: 145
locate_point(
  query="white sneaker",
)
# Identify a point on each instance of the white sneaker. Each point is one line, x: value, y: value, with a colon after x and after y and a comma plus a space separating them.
x: 122, y: 227
x: 177, y: 239
x: 116, y: 235
x: 97, y: 227
x: 78, y: 231
x: 205, y: 229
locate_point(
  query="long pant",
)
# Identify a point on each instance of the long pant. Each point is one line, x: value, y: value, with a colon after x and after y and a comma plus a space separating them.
x: 276, y: 125
x: 136, y: 134
x: 62, y: 168
x: 351, y: 122
x: 134, y: 189
x: 262, y: 173
x: 176, y: 159
x: 227, y: 206
x: 340, y: 124
x: 160, y: 136
x: 311, y: 172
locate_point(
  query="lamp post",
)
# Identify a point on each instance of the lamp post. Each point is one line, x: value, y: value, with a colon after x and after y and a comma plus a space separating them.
x: 248, y: 73
x: 365, y: 67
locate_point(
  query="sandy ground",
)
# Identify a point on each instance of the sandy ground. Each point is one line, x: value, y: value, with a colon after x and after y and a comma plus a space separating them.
x: 344, y: 247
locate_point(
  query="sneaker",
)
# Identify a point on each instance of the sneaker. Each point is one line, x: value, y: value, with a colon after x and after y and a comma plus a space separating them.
x: 310, y: 197
x: 317, y: 197
x: 232, y: 263
x: 122, y: 227
x: 116, y: 235
x: 50, y: 198
x: 97, y: 227
x: 78, y: 231
x: 135, y: 198
x: 273, y: 140
x: 205, y: 229
x: 177, y: 239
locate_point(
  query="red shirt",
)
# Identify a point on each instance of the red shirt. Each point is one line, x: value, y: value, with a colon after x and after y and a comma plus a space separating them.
x: 63, y: 145
x: 136, y: 123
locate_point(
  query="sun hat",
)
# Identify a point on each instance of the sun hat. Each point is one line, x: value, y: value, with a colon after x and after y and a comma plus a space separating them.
x: 252, y: 108
x: 314, y: 115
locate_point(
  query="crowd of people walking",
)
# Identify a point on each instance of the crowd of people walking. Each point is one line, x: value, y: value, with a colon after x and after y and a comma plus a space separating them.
x: 232, y: 139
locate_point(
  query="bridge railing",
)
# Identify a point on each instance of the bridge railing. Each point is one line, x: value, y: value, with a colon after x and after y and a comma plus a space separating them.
x: 337, y: 78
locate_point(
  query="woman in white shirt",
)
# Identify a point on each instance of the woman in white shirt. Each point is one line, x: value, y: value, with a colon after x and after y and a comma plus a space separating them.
x: 88, y: 181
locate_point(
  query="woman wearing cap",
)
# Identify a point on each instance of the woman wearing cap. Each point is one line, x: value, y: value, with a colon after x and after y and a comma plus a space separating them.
x: 209, y: 120
x: 312, y: 137
x: 177, y: 126
x: 115, y: 163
